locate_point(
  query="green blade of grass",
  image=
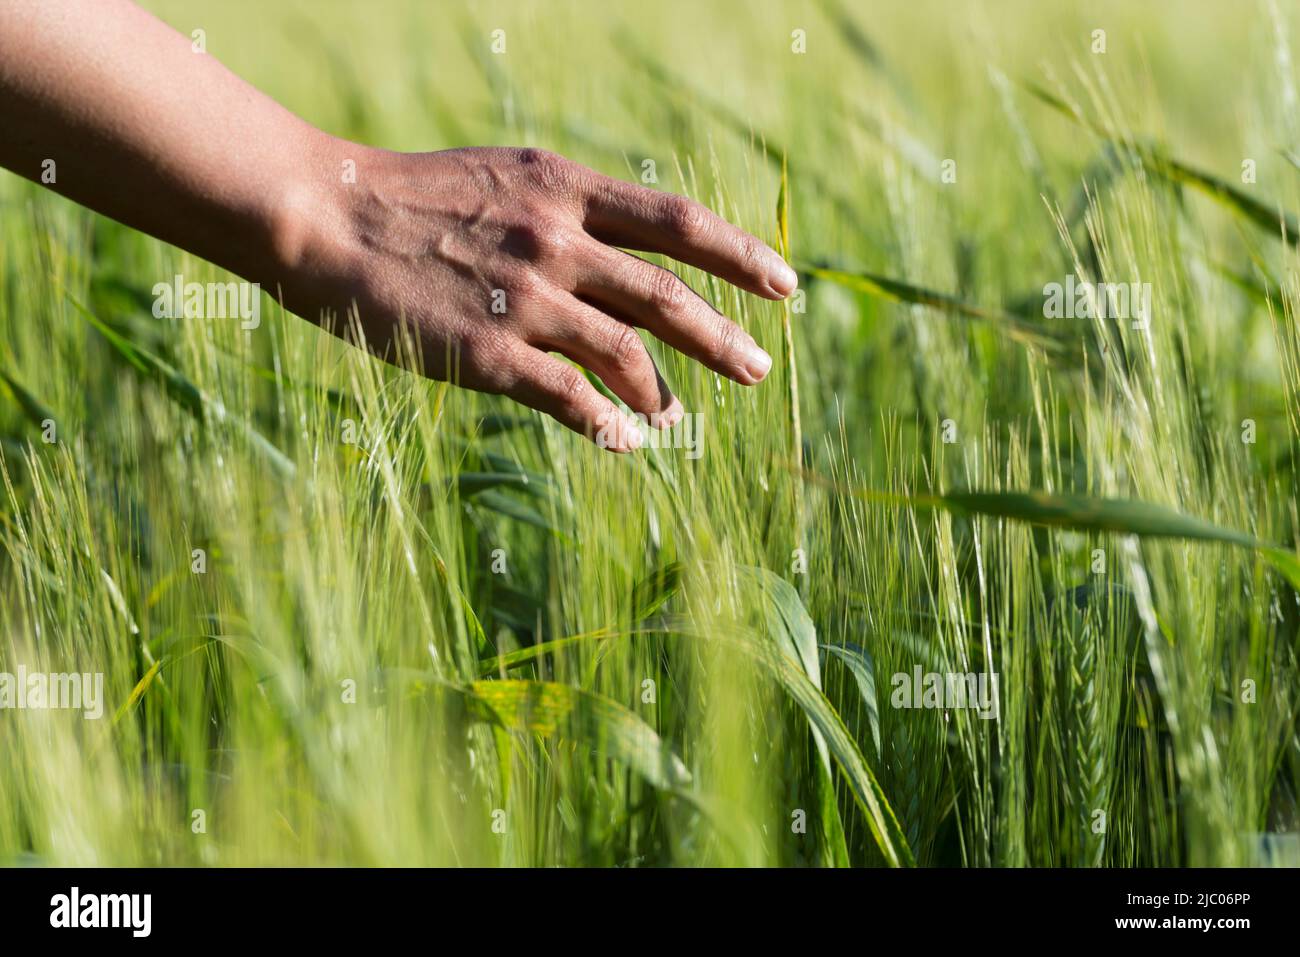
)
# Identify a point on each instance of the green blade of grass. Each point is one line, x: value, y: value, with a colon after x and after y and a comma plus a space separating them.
x: 1081, y: 513
x: 893, y: 290
x: 37, y: 412
x: 862, y: 783
x: 786, y: 620
x: 1272, y: 219
x: 496, y: 501
x: 184, y: 392
x: 1123, y: 516
x: 523, y: 656
x: 651, y: 593
x: 1087, y: 514
x: 863, y: 670
x: 546, y: 708
x: 787, y: 328
x: 473, y: 483
x: 786, y: 669
x: 139, y: 690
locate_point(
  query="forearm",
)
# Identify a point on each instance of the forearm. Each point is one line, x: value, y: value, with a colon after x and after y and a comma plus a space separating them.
x: 143, y: 129
x: 499, y: 257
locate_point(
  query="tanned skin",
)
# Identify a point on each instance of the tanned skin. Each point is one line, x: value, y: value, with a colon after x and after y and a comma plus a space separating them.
x: 147, y: 131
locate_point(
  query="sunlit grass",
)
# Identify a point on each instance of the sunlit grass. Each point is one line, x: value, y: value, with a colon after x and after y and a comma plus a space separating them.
x: 433, y: 628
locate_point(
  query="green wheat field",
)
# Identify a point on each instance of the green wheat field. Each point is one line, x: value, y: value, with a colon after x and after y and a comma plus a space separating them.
x: 345, y: 615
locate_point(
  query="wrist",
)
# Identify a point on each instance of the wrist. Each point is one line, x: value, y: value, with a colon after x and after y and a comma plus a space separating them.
x: 309, y: 207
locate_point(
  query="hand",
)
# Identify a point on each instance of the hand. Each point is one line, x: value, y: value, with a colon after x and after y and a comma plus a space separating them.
x: 495, y: 256
x: 499, y: 256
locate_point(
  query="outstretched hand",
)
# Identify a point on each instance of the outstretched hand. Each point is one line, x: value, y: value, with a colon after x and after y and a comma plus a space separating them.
x: 500, y: 256
x: 495, y: 257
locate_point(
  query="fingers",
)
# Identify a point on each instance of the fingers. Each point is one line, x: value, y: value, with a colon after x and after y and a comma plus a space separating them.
x: 654, y: 298
x: 614, y: 351
x: 637, y: 217
x: 554, y: 387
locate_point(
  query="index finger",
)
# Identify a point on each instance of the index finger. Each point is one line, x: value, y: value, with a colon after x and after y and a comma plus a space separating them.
x: 637, y: 217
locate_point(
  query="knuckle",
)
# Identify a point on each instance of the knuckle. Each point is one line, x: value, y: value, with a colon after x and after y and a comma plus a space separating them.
x: 536, y: 237
x: 726, y: 337
x: 535, y: 158
x: 553, y: 239
x: 524, y: 284
x: 625, y: 348
x: 549, y: 170
x: 485, y: 359
x: 666, y: 293
x: 570, y: 386
x: 685, y: 218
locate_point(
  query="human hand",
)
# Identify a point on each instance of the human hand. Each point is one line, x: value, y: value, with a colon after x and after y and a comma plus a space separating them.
x: 499, y: 256
x: 496, y: 257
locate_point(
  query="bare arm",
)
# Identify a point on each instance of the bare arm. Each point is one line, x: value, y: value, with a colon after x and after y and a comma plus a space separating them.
x: 144, y: 129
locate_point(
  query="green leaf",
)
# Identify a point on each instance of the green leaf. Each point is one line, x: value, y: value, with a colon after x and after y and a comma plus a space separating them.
x: 893, y: 290
x: 1271, y: 218
x: 502, y: 504
x: 862, y: 783
x: 650, y: 594
x: 184, y: 392
x: 495, y: 424
x: 472, y: 483
x: 791, y: 629
x: 788, y: 650
x: 546, y: 708
x: 524, y: 655
x: 1125, y: 516
x: 1092, y: 514
x: 834, y: 843
x: 788, y: 622
x: 859, y: 662
x: 139, y: 690
x: 821, y: 714
x: 35, y: 410
x: 1286, y: 563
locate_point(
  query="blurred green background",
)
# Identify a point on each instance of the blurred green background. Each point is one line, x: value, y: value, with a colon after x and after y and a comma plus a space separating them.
x: 466, y: 637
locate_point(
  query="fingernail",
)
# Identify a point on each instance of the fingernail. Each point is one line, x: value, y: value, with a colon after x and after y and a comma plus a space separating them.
x: 757, y: 362
x: 632, y: 437
x: 671, y: 415
x: 783, y: 279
